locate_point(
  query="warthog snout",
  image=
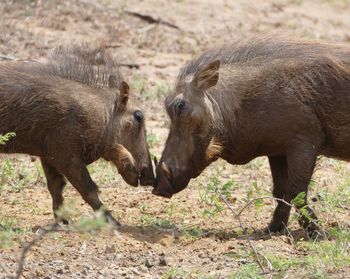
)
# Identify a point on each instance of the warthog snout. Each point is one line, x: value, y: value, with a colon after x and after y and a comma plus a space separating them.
x: 146, y: 175
x: 163, y: 185
x: 169, y: 181
x: 126, y: 165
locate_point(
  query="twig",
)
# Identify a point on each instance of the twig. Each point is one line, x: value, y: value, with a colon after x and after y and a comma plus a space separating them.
x: 262, y: 198
x: 244, y: 230
x: 130, y: 66
x: 151, y: 19
x: 269, y: 265
x: 28, y: 245
x: 6, y: 58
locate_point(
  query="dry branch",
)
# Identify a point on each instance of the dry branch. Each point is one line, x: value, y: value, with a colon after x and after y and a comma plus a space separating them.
x: 129, y: 65
x: 26, y: 247
x: 5, y: 58
x: 237, y: 216
x: 151, y: 19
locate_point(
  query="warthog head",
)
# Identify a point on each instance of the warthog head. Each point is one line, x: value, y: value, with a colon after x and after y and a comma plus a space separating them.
x: 191, y: 145
x: 130, y: 154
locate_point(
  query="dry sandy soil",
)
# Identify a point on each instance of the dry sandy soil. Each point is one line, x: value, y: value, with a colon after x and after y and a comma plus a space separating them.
x: 193, y: 235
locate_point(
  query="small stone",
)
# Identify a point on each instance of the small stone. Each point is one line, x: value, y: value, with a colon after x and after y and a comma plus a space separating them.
x: 162, y: 261
x: 110, y: 249
x: 147, y: 263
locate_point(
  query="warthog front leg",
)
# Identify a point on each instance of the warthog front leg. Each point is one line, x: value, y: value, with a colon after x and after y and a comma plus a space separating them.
x: 55, y: 184
x: 79, y: 177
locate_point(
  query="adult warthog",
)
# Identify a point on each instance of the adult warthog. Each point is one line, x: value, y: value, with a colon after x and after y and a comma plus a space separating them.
x: 277, y: 97
x: 70, y: 111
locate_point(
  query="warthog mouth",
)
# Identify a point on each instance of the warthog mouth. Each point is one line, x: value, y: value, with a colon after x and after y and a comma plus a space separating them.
x: 146, y: 176
x: 126, y: 165
x: 163, y: 185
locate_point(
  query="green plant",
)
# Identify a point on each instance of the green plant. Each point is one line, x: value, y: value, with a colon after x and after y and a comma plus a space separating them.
x: 5, y: 138
x: 138, y: 84
x: 247, y: 270
x: 210, y: 196
x: 192, y: 233
x: 176, y: 273
x: 148, y: 220
x: 152, y: 139
x: 170, y: 210
x: 9, y: 231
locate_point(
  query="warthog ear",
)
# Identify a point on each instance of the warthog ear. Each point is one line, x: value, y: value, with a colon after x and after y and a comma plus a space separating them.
x: 124, y: 93
x: 207, y: 76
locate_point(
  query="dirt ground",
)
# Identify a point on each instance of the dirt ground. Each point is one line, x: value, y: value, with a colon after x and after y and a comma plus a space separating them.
x: 191, y: 235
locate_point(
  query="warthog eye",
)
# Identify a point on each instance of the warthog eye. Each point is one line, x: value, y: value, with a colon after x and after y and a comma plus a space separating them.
x: 138, y: 115
x: 180, y: 105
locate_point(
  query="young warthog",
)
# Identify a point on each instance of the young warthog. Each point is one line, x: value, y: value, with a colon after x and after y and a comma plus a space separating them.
x: 70, y: 111
x: 276, y: 97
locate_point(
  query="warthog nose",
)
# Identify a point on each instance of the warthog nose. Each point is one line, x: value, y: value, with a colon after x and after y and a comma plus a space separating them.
x: 147, y: 176
x: 164, y: 177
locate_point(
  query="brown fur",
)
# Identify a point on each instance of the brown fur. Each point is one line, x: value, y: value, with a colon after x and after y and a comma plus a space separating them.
x: 283, y: 98
x: 69, y: 112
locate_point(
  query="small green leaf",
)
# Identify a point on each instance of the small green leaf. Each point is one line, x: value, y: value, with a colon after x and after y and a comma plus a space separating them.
x: 299, y: 200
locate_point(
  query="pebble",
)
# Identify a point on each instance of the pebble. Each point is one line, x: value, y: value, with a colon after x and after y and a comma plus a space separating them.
x: 162, y: 261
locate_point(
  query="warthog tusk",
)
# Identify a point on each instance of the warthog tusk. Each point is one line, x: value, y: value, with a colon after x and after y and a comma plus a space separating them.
x: 166, y: 170
x: 155, y: 161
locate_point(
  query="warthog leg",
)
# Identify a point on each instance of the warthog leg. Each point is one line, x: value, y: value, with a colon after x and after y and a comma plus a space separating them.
x: 291, y: 176
x: 55, y: 183
x: 78, y: 175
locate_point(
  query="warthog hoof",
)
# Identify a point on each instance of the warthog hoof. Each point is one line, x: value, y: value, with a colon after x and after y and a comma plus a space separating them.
x: 110, y: 220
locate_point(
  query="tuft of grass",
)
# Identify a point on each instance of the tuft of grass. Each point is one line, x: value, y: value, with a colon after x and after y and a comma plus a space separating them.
x: 161, y: 90
x: 148, y: 220
x: 15, y: 175
x: 104, y: 173
x: 247, y: 270
x: 176, y: 273
x: 139, y: 84
x: 152, y: 140
x: 316, y: 259
x: 192, y: 233
x: 9, y: 231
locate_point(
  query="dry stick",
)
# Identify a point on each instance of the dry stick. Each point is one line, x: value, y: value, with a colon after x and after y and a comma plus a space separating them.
x: 244, y: 230
x: 151, y: 19
x: 6, y: 58
x: 263, y: 198
x: 54, y: 227
x: 129, y: 65
x: 268, y: 263
x: 237, y: 215
x: 28, y: 245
